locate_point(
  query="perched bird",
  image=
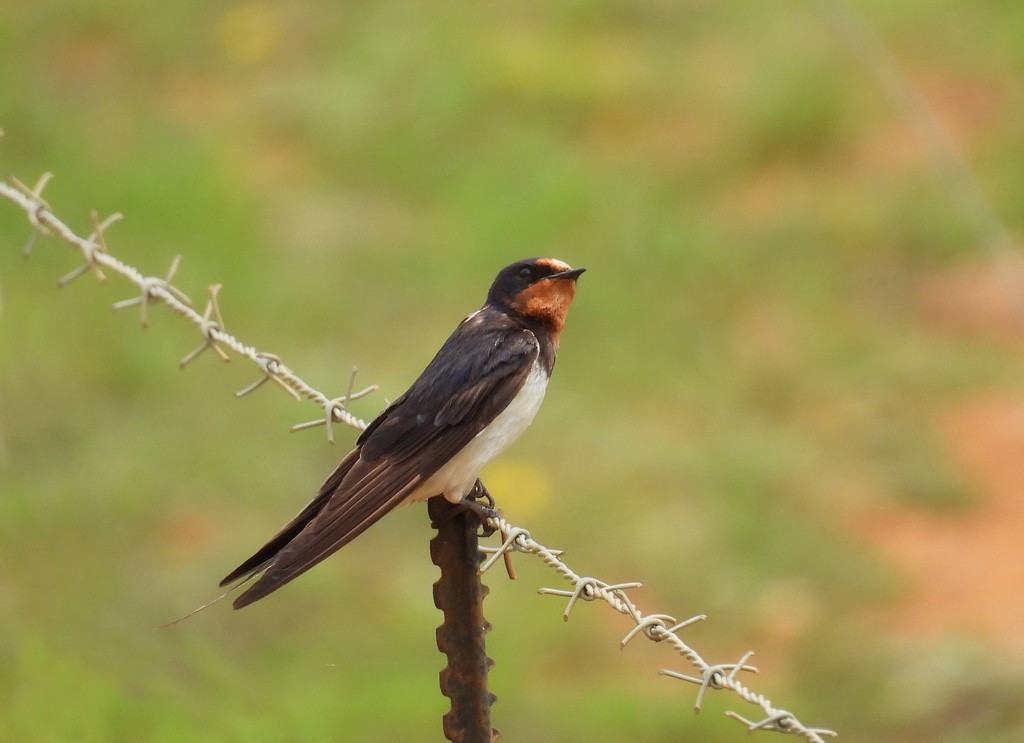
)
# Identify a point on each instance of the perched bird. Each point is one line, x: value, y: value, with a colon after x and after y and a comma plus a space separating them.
x: 477, y: 395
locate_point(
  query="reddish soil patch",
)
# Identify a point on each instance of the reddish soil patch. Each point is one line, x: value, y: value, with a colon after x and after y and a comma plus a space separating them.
x: 964, y: 571
x: 974, y: 300
x: 964, y: 568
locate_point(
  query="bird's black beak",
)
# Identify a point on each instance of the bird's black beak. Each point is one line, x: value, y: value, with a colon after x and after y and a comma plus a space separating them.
x: 572, y: 274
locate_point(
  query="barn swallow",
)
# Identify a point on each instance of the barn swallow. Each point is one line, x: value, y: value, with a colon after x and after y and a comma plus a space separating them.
x: 477, y: 395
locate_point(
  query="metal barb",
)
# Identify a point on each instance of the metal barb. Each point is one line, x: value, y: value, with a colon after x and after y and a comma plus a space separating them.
x: 94, y: 245
x: 647, y: 625
x: 209, y: 328
x: 780, y: 721
x: 584, y: 589
x: 741, y: 665
x: 522, y: 541
x: 72, y: 275
x: 191, y: 355
x: 149, y: 288
x: 214, y: 290
x: 30, y: 243
x: 686, y: 623
x: 308, y: 424
x: 339, y: 406
x: 680, y: 676
x: 100, y: 228
x: 508, y: 544
x: 587, y: 589
x: 255, y: 385
x: 336, y: 409
x: 38, y: 205
x: 712, y: 677
x: 272, y: 365
x: 166, y: 284
x: 329, y: 420
x: 269, y: 364
x: 351, y: 385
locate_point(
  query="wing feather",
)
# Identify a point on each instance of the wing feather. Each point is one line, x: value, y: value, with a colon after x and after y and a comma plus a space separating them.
x: 474, y: 376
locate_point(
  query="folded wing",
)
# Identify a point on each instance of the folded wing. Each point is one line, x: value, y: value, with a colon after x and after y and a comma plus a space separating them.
x: 474, y: 376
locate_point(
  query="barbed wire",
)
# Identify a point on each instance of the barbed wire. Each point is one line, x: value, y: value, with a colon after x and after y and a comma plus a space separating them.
x: 948, y: 160
x: 155, y: 289
x: 655, y: 627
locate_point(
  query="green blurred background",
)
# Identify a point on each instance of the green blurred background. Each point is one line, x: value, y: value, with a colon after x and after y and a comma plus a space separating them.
x: 789, y: 394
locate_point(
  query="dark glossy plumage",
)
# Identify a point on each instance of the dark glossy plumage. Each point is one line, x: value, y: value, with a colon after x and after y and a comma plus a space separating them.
x: 474, y: 376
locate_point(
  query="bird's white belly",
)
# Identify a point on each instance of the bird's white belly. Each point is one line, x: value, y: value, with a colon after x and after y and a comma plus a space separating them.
x: 456, y: 478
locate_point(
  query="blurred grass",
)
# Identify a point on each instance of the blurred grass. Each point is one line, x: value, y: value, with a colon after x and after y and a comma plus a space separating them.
x: 747, y: 367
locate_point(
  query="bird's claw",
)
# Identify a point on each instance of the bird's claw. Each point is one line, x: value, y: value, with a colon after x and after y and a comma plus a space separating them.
x: 484, y: 512
x: 480, y: 491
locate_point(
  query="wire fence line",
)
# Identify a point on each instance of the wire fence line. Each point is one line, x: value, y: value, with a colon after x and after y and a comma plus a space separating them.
x: 952, y: 169
x: 210, y: 323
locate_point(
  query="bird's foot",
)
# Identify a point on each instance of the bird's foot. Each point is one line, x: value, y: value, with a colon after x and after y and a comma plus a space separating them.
x: 485, y: 512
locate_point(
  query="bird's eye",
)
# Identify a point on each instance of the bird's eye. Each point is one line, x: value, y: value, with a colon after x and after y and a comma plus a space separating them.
x: 524, y: 272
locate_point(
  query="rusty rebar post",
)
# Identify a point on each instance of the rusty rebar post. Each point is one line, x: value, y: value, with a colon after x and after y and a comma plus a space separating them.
x: 459, y: 593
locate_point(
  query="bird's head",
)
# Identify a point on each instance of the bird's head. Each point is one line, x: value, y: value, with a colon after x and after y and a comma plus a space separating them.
x: 539, y: 289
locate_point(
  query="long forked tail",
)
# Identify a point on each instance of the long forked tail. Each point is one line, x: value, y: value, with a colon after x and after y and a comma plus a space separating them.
x: 337, y: 524
x: 265, y: 556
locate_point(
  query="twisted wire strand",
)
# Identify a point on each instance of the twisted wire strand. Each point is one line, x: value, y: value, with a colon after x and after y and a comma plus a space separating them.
x: 656, y: 627
x: 155, y: 289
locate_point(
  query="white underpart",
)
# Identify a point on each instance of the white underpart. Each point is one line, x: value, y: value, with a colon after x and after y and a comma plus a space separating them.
x: 456, y: 478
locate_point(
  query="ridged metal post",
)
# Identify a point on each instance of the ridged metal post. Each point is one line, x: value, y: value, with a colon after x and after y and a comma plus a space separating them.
x: 459, y: 593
